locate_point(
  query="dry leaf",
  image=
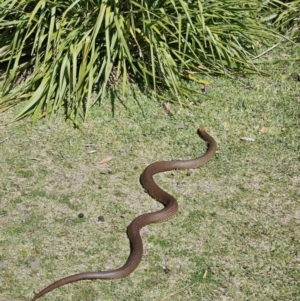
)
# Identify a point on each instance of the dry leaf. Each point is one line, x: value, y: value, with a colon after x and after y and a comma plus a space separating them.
x: 168, y: 108
x: 264, y: 129
x: 249, y: 139
x: 105, y: 160
x: 205, y: 88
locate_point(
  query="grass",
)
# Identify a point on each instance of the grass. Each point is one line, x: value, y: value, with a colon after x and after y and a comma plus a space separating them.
x: 236, y: 236
x: 55, y: 54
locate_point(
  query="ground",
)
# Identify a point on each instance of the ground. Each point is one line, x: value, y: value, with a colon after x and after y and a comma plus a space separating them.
x: 236, y: 235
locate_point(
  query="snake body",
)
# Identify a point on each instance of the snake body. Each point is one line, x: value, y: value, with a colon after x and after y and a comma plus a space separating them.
x: 133, y: 230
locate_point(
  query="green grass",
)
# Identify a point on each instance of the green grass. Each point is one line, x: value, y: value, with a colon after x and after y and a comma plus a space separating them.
x: 64, y: 55
x: 236, y: 236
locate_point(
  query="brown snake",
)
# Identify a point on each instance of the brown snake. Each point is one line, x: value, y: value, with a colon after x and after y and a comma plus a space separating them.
x: 133, y: 230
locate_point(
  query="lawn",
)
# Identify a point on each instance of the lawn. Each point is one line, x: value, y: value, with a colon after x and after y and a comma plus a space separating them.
x: 237, y: 233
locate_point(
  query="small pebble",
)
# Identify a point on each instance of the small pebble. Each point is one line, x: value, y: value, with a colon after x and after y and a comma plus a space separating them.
x: 100, y: 218
x: 179, y: 185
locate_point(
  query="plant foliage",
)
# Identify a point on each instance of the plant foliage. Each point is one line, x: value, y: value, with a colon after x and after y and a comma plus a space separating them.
x: 285, y: 15
x: 66, y: 54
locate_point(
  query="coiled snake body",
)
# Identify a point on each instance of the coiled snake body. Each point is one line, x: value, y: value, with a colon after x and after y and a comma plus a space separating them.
x: 133, y: 230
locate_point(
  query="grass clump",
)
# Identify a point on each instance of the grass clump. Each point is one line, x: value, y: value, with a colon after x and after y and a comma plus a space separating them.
x: 64, y: 54
x: 285, y: 16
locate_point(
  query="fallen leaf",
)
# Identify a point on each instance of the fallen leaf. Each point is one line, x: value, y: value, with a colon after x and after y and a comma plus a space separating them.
x: 264, y: 129
x: 205, y: 88
x: 105, y: 160
x: 168, y: 108
x: 249, y: 139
